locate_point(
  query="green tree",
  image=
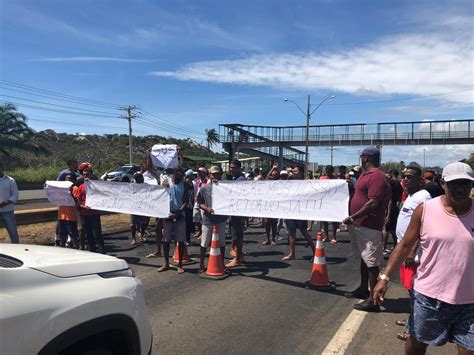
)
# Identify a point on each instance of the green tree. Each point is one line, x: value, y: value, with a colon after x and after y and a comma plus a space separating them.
x: 212, y: 137
x: 15, y: 133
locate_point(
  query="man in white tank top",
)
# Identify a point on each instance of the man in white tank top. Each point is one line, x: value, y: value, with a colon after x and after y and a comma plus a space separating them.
x: 443, y: 291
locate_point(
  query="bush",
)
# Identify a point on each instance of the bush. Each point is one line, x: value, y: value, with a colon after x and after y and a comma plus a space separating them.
x: 39, y: 175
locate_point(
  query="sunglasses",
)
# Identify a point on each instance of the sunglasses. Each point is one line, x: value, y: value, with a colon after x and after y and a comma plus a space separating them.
x: 408, y: 176
x: 215, y: 174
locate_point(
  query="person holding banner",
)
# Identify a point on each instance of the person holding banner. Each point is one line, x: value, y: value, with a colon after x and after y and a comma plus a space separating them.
x: 67, y: 217
x: 174, y: 227
x: 237, y: 223
x: 92, y: 223
x: 294, y: 224
x: 209, y: 219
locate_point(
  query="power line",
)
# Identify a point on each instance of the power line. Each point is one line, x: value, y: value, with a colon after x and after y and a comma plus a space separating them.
x: 160, y: 128
x: 56, y: 110
x: 169, y: 124
x: 56, y: 98
x: 56, y: 105
x: 32, y: 88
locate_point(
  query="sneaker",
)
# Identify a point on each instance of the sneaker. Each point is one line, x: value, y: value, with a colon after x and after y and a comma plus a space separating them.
x: 367, y: 306
x: 358, y: 293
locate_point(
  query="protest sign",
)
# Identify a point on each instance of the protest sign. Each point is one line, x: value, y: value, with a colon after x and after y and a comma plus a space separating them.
x: 321, y: 200
x: 164, y: 156
x: 59, y: 193
x: 138, y: 199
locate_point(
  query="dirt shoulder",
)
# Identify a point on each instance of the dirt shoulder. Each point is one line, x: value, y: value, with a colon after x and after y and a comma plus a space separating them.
x: 43, y: 233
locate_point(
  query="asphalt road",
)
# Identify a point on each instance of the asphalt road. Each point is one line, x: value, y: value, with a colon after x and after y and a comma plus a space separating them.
x: 263, y: 306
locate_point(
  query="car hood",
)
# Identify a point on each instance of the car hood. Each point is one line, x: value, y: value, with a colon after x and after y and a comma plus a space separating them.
x: 116, y: 173
x: 62, y: 262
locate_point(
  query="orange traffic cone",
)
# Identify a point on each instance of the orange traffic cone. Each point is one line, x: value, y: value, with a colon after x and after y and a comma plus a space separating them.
x: 215, y: 265
x: 186, y: 259
x: 319, y: 275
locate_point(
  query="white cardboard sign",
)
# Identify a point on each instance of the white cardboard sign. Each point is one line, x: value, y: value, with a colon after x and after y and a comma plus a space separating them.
x: 164, y: 156
x: 59, y: 193
x: 321, y: 200
x: 138, y: 199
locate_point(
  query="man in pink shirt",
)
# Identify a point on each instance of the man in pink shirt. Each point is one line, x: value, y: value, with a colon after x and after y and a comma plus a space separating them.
x: 365, y: 223
x: 443, y: 291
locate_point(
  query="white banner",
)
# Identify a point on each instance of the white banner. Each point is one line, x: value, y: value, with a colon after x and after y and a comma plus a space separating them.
x: 59, y: 193
x: 164, y: 156
x: 139, y: 199
x: 314, y: 200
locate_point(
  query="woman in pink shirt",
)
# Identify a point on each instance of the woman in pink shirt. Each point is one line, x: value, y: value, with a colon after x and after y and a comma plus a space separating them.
x: 443, y: 297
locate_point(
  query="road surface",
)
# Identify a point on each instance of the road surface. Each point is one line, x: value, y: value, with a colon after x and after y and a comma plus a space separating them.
x: 263, y: 307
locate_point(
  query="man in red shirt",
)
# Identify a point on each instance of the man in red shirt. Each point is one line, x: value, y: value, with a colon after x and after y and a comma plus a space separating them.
x: 367, y: 215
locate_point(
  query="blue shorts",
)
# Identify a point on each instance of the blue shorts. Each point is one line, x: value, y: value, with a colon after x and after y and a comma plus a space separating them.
x: 435, y: 322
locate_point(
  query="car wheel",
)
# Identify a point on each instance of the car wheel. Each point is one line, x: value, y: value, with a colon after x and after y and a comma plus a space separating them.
x: 125, y: 179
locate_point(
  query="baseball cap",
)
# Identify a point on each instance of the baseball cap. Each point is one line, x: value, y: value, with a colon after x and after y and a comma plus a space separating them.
x: 203, y: 170
x: 214, y: 169
x: 189, y: 172
x: 356, y: 168
x: 82, y: 166
x: 283, y: 172
x: 370, y: 151
x: 457, y: 171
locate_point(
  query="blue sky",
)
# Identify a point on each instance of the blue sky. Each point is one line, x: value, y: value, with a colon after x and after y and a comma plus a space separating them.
x: 191, y: 65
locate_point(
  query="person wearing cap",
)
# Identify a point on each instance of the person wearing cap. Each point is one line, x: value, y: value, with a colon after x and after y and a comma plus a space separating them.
x: 8, y: 196
x: 365, y: 223
x: 443, y: 289
x: 209, y: 219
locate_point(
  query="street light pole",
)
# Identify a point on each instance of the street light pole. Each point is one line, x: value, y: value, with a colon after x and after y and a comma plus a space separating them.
x: 308, y: 117
x: 308, y: 114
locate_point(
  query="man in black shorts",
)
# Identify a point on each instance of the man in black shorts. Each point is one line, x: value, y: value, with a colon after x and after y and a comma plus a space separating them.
x: 237, y: 223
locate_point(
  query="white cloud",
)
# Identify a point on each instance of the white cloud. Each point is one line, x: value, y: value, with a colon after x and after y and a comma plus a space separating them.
x: 413, y: 64
x: 91, y: 59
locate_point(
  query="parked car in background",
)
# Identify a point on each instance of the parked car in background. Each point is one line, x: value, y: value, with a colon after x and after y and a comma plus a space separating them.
x: 123, y: 174
x: 66, y: 301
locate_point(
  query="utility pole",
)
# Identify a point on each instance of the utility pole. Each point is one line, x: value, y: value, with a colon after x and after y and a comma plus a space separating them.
x: 130, y: 114
x: 332, y: 150
x: 424, y: 165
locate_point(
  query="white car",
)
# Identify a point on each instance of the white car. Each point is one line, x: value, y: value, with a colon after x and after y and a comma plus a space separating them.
x: 65, y: 301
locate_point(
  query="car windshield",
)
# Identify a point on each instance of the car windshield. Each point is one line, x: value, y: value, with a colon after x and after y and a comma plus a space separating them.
x: 123, y: 169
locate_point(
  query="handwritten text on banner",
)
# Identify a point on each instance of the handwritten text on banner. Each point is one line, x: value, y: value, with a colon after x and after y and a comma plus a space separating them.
x: 323, y: 200
x: 59, y: 193
x: 139, y: 199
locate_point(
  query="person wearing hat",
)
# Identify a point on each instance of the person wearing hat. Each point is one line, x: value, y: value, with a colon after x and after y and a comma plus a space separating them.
x: 209, y: 219
x: 443, y: 290
x: 365, y: 223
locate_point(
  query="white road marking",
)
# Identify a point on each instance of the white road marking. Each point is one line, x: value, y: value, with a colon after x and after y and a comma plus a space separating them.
x: 343, y: 337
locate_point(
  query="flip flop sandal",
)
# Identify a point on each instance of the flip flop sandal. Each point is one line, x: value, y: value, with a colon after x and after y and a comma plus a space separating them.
x: 403, y: 336
x: 152, y: 255
x: 333, y: 241
x: 401, y: 323
x: 180, y: 270
x: 163, y: 268
x: 200, y: 271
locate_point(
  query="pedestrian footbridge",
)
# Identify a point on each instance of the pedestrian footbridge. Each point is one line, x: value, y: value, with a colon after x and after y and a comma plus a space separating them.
x: 279, y: 143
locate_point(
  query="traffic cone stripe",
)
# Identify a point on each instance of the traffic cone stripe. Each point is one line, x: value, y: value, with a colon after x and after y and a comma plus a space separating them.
x: 319, y: 244
x: 320, y: 260
x: 215, y: 237
x: 215, y: 252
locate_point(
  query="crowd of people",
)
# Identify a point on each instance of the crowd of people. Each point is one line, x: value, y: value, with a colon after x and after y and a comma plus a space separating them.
x: 431, y: 224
